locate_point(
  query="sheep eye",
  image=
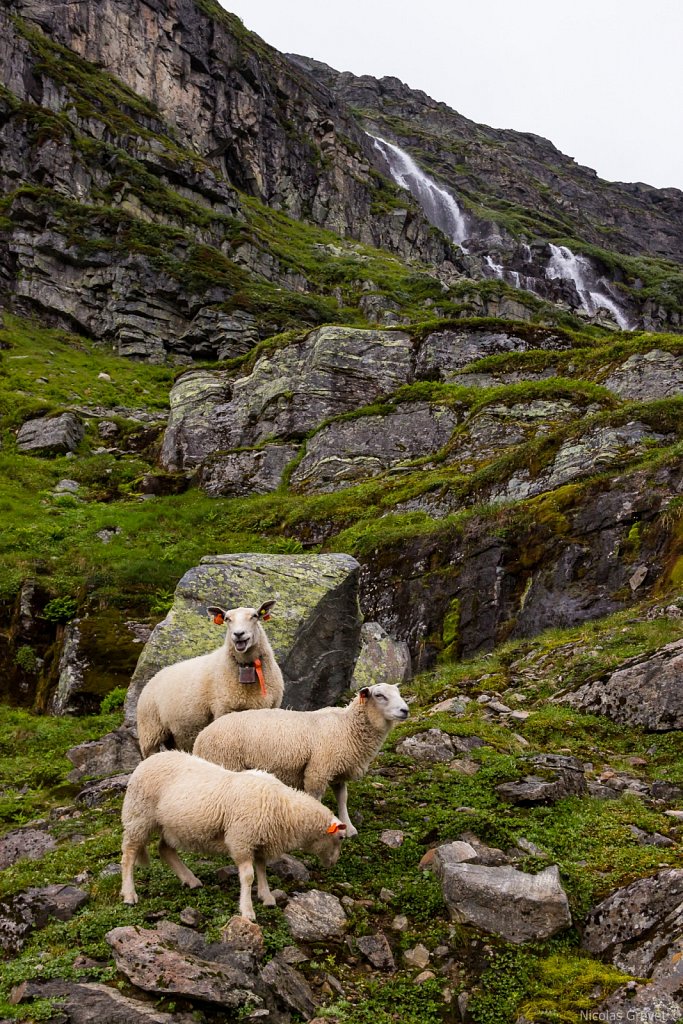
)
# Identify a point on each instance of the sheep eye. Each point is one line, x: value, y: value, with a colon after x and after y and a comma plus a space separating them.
x: 380, y: 696
x: 255, y: 616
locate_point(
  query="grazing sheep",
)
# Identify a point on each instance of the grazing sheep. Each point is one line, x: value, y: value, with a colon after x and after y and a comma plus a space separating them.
x: 181, y: 699
x: 308, y: 749
x: 194, y: 805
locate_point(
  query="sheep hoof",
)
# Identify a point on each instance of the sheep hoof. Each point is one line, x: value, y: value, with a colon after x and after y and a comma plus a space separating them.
x: 195, y: 884
x: 130, y: 901
x: 269, y: 901
x: 249, y: 916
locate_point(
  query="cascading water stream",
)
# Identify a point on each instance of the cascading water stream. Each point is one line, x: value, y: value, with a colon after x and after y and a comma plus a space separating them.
x: 564, y: 265
x: 440, y: 208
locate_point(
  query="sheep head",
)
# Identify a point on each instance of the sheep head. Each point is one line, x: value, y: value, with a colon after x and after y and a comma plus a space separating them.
x: 244, y: 634
x: 384, y: 700
x: 327, y: 845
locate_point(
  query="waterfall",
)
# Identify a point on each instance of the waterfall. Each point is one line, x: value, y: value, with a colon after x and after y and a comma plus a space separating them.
x: 440, y: 208
x: 564, y: 265
x: 495, y: 268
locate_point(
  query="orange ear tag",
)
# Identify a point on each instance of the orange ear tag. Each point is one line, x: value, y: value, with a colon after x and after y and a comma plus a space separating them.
x: 218, y: 619
x: 362, y: 698
x: 266, y: 616
x: 259, y: 673
x: 334, y: 827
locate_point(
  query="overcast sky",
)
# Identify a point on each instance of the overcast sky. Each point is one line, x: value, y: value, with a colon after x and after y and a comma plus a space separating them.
x: 603, y: 79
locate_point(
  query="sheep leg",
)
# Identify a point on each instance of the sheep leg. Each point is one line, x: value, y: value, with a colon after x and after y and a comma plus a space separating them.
x: 262, y: 887
x: 340, y: 790
x: 246, y: 873
x: 170, y: 857
x: 130, y: 853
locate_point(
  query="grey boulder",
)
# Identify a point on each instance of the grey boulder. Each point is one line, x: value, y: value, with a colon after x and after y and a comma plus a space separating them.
x: 503, y: 901
x: 50, y: 435
x: 645, y: 691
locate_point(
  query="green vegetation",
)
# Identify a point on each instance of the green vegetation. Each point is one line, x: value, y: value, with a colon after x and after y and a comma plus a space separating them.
x: 590, y: 840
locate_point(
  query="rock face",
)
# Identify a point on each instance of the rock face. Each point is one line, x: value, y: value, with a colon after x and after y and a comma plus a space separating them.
x: 314, y: 631
x: 241, y: 473
x: 645, y: 691
x: 443, y: 353
x: 344, y: 452
x: 115, y: 754
x: 595, y: 450
x: 289, y: 392
x: 50, y: 435
x: 466, y: 589
x: 646, y: 377
x: 502, y: 900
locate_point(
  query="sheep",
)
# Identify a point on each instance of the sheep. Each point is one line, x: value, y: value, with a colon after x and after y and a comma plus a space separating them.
x: 308, y: 749
x: 198, y: 806
x: 181, y: 699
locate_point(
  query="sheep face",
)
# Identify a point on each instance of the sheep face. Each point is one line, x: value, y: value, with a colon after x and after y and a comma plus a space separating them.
x: 386, y: 700
x: 244, y: 625
x: 327, y: 845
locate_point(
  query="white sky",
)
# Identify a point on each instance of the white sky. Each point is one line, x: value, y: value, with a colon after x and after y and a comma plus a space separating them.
x: 603, y: 79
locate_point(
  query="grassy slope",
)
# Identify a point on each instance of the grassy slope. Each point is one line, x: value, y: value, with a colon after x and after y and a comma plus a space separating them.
x: 589, y: 839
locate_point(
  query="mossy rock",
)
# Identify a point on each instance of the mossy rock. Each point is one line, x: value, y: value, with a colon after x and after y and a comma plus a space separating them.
x: 314, y: 630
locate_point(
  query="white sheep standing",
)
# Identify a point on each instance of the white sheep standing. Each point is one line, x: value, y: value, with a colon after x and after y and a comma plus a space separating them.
x: 197, y: 806
x: 308, y: 749
x: 181, y: 699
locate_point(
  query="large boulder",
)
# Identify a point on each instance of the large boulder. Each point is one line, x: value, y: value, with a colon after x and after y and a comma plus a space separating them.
x: 314, y: 630
x: 501, y: 900
x: 83, y: 1002
x: 289, y: 392
x: 645, y: 691
x: 175, y: 961
x: 634, y: 926
x: 50, y: 435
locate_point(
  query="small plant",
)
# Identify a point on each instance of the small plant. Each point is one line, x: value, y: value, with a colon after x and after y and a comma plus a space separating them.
x: 161, y: 601
x: 113, y: 700
x: 60, y: 609
x: 26, y: 659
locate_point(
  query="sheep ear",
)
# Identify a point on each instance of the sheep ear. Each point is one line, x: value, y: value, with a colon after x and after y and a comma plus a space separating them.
x: 216, y: 614
x: 336, y: 826
x: 264, y: 610
x: 364, y: 693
